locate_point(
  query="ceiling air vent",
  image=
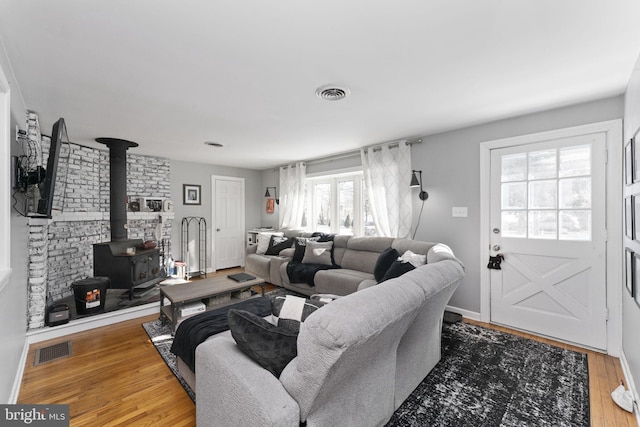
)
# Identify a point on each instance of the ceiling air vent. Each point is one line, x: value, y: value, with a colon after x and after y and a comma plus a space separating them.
x: 332, y: 92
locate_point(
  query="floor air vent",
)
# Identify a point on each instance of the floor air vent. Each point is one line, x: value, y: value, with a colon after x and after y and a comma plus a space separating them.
x: 53, y: 352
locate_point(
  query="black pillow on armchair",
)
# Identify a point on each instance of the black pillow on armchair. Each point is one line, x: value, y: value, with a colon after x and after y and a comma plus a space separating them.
x: 270, y: 346
x: 384, y: 262
x: 397, y: 269
x: 277, y: 244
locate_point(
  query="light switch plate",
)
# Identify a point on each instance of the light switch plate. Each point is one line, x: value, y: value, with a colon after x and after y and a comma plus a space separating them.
x: 460, y: 212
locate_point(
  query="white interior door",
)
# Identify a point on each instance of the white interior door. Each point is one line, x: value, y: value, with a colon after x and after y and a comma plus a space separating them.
x: 228, y: 229
x: 547, y: 218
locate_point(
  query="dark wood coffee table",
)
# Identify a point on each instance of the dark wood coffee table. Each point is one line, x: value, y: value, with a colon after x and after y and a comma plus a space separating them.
x: 199, y: 290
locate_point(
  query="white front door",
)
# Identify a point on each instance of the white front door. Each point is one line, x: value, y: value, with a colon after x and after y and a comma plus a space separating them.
x: 547, y: 218
x: 228, y: 222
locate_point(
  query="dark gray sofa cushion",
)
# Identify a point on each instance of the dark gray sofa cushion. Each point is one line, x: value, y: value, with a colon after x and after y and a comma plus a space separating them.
x: 385, y: 260
x: 397, y: 269
x: 270, y: 346
x: 278, y: 243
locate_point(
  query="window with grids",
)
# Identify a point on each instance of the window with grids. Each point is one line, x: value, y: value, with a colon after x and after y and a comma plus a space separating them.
x: 546, y: 194
x: 338, y: 204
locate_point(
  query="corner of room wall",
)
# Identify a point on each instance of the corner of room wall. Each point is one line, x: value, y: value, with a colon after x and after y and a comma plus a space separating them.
x: 13, y: 298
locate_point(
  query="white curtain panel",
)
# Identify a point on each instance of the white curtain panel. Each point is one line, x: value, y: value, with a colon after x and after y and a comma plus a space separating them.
x: 292, y: 194
x: 387, y: 175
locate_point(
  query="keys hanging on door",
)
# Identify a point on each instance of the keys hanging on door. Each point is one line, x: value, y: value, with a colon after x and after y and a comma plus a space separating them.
x: 494, y: 262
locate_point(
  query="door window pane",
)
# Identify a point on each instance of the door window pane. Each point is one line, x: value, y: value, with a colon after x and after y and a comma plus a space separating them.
x: 514, y: 167
x: 514, y: 224
x: 575, y: 225
x: 345, y: 204
x: 575, y: 193
x: 543, y: 225
x: 514, y: 195
x: 546, y: 194
x: 542, y: 164
x: 575, y: 161
x: 542, y: 194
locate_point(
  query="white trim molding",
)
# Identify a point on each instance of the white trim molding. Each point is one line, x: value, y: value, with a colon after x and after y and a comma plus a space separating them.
x: 92, y: 322
x: 630, y: 384
x: 613, y: 131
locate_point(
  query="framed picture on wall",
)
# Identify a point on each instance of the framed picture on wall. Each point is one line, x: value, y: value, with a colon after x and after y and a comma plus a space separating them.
x: 191, y: 194
x: 629, y: 259
x: 628, y: 216
x: 628, y: 162
x: 271, y: 205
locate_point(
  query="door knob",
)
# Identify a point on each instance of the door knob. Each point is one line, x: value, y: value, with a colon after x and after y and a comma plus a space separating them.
x: 495, y: 247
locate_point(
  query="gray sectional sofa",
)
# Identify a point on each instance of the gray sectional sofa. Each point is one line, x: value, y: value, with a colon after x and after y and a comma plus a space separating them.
x: 356, y: 255
x: 358, y: 357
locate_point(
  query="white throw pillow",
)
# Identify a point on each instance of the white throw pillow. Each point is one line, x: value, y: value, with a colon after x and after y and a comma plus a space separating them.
x: 414, y: 259
x: 263, y: 240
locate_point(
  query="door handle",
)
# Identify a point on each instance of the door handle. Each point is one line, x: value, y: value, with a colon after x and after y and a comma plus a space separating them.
x: 495, y: 248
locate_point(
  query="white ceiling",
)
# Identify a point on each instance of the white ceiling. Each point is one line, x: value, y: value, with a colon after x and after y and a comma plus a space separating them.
x: 170, y: 74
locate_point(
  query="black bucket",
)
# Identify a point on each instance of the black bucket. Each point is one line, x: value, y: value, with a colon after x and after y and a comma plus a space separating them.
x: 90, y: 294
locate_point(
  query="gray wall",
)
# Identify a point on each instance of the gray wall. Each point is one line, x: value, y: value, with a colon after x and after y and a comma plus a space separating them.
x: 200, y: 174
x: 13, y: 298
x: 450, y: 163
x: 271, y: 178
x: 630, y: 311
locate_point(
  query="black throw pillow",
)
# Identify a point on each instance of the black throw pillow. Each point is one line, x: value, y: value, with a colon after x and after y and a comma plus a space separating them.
x: 323, y: 237
x: 398, y: 268
x: 270, y: 346
x: 385, y: 260
x: 277, y: 244
x: 300, y: 246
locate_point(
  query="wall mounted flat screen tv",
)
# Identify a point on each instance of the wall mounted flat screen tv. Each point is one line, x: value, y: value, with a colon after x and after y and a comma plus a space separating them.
x: 46, y: 188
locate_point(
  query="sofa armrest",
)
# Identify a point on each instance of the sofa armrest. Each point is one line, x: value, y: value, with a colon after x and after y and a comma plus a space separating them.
x: 251, y: 249
x: 233, y: 390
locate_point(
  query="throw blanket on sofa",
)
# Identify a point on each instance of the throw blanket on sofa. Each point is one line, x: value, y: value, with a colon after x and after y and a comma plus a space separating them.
x: 195, y: 330
x: 305, y: 273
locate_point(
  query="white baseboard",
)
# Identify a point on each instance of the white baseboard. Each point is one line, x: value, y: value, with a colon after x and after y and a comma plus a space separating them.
x: 465, y: 313
x: 17, y: 382
x: 630, y: 384
x: 92, y: 322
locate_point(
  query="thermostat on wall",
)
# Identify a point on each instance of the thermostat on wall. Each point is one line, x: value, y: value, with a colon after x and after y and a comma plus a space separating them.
x: 167, y: 206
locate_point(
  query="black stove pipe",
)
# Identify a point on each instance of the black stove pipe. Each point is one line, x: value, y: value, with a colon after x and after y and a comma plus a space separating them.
x: 117, y: 185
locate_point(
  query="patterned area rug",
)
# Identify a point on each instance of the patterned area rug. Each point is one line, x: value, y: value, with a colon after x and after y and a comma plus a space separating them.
x: 490, y: 378
x: 485, y: 378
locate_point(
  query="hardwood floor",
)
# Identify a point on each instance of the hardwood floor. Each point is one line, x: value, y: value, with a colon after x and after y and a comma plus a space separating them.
x: 115, y: 377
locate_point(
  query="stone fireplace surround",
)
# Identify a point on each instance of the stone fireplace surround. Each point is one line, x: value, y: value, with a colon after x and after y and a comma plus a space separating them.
x: 61, y: 249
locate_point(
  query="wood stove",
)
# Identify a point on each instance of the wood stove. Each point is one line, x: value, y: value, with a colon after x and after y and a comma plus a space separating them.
x: 122, y: 260
x: 125, y: 269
